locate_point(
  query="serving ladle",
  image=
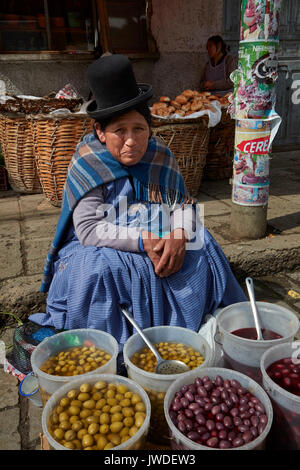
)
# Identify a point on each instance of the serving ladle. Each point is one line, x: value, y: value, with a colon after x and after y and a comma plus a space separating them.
x: 250, y: 288
x: 163, y: 366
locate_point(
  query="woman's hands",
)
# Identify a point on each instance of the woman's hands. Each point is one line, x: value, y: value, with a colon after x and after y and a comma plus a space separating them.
x: 167, y: 253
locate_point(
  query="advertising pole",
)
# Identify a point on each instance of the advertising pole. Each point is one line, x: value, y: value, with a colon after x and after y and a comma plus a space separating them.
x: 253, y: 108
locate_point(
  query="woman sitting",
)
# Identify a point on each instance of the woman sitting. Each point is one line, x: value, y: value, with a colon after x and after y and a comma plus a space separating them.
x: 216, y: 74
x: 128, y: 233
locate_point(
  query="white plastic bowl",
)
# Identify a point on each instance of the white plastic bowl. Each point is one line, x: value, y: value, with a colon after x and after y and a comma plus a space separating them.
x: 51, y: 346
x: 134, y: 443
x: 156, y: 385
x: 181, y: 442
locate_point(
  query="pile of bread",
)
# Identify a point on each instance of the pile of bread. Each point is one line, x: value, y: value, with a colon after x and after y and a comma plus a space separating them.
x: 187, y: 103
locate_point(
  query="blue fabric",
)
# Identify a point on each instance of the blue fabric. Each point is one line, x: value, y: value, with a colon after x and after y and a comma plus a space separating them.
x: 141, y: 244
x: 155, y: 177
x: 90, y: 283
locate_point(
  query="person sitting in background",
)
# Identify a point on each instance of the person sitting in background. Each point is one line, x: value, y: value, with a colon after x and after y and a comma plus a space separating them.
x: 216, y: 74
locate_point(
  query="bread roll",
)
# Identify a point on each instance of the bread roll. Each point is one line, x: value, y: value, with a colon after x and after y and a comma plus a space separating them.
x: 165, y: 99
x: 180, y: 112
x: 186, y: 107
x: 181, y: 99
x: 196, y: 106
x: 175, y: 104
x: 188, y: 93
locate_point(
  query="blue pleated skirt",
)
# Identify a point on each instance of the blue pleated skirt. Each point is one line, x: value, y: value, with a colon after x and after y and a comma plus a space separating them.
x: 90, y: 283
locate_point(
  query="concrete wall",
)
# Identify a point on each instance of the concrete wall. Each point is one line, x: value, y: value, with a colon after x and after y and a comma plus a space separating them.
x: 180, y: 29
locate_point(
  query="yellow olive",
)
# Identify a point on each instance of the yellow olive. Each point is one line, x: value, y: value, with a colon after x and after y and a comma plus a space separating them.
x: 85, y: 388
x: 58, y: 434
x: 77, y: 426
x: 93, y: 428
x: 116, y: 426
x: 89, y: 404
x: 101, y: 442
x: 74, y: 410
x: 70, y: 435
x: 87, y: 440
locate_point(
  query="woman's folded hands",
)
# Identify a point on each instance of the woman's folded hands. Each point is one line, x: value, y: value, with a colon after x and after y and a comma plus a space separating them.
x: 166, y: 253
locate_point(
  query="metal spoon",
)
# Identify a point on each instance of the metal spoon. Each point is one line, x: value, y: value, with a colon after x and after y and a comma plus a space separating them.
x: 163, y: 366
x: 250, y: 287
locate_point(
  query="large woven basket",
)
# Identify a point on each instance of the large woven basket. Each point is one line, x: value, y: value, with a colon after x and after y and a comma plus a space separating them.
x: 219, y: 160
x: 188, y: 141
x: 17, y: 148
x: 3, y: 182
x: 55, y: 139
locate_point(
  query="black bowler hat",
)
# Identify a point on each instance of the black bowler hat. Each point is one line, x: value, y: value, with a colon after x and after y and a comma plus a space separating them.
x: 114, y: 87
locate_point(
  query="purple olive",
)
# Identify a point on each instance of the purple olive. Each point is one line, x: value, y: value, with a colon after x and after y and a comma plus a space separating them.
x: 219, y: 380
x: 210, y: 424
x: 193, y: 406
x: 237, y: 442
x: 198, y: 381
x: 189, y: 396
x: 237, y: 421
x: 227, y: 422
x: 193, y: 435
x: 224, y: 408
x: 184, y: 401
x: 219, y: 426
x: 188, y: 413
x: 201, y: 391
x: 247, y: 436
x: 189, y: 424
x: 234, y: 412
x: 222, y: 434
x: 200, y: 419
x: 224, y: 444
x: 212, y: 442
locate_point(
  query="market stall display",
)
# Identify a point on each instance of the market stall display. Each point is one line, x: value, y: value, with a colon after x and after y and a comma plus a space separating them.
x: 219, y: 158
x: 281, y: 380
x: 62, y: 343
x: 184, y: 124
x: 154, y: 384
x: 97, y: 412
x: 16, y: 136
x: 197, y: 421
x: 242, y: 353
x: 17, y: 147
x: 55, y: 137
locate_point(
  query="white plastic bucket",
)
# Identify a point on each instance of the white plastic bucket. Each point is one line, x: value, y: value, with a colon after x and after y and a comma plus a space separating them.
x: 156, y: 385
x: 243, y: 354
x: 52, y: 345
x: 134, y: 443
x: 285, y: 432
x: 181, y: 442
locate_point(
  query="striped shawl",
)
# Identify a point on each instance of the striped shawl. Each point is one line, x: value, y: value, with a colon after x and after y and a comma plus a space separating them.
x: 156, y: 179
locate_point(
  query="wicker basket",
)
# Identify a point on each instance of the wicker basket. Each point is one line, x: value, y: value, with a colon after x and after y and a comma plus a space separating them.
x: 219, y: 160
x: 55, y: 139
x: 17, y: 148
x: 188, y: 141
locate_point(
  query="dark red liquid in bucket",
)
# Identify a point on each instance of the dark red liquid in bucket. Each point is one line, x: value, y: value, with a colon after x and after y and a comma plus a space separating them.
x: 233, y: 363
x: 250, y: 333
